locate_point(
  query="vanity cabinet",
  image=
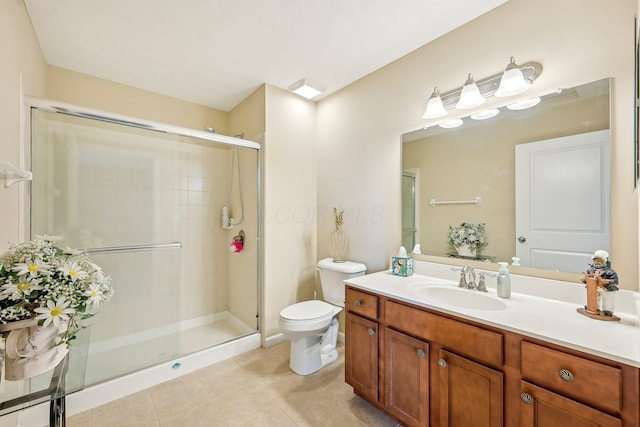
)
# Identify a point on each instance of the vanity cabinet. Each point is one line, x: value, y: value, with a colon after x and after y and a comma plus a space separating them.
x: 423, y: 368
x: 471, y: 394
x: 469, y: 391
x: 406, y: 378
x: 361, y: 350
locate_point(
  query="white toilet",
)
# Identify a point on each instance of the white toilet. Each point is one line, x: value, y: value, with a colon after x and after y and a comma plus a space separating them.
x: 312, y: 326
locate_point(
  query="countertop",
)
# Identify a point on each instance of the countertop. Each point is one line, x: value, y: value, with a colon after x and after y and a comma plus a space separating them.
x: 538, y: 308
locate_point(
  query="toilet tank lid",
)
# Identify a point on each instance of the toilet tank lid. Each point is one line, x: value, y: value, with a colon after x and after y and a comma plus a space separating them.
x: 342, y: 267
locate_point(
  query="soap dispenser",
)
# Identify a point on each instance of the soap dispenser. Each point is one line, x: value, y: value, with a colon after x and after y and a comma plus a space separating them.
x: 504, y: 281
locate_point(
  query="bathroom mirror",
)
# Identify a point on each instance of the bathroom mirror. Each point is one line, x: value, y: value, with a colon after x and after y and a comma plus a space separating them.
x: 469, y: 174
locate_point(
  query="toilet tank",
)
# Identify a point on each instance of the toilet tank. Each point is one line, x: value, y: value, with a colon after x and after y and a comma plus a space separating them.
x: 331, y: 276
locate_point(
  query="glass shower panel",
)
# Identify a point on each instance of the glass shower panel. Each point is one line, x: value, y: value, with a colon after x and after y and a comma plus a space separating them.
x: 139, y: 327
x: 219, y: 288
x: 109, y: 189
x: 102, y: 184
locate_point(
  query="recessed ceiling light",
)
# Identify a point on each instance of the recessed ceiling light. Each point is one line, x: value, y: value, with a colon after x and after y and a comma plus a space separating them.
x: 304, y: 89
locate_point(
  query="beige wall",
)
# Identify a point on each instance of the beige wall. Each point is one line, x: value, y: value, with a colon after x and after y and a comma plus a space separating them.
x: 359, y: 128
x: 22, y: 71
x: 248, y: 117
x: 92, y: 92
x: 289, y: 207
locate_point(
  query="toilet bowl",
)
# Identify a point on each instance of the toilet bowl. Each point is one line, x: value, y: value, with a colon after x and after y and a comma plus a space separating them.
x: 312, y: 326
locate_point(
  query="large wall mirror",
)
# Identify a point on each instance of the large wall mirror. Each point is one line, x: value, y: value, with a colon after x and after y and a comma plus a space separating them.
x: 538, y: 178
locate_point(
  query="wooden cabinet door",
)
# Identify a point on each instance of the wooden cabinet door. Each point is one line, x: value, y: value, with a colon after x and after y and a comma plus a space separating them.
x: 406, y: 378
x: 361, y: 356
x: 542, y: 408
x: 471, y: 394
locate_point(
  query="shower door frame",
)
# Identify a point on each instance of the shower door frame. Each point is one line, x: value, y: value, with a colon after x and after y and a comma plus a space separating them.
x: 31, y: 103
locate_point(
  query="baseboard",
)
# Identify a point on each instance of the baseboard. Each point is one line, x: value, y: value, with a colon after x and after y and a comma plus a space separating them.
x: 273, y: 340
x: 279, y: 337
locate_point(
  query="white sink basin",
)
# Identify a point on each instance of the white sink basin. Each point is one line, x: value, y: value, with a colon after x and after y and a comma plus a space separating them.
x: 452, y: 296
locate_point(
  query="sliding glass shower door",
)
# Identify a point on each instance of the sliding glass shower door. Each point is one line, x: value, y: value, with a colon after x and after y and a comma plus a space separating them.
x: 147, y: 206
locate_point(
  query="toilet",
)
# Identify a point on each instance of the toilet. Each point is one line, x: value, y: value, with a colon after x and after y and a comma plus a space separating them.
x: 312, y: 326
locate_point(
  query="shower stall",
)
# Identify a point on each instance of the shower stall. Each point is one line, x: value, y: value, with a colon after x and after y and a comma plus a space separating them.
x: 146, y: 200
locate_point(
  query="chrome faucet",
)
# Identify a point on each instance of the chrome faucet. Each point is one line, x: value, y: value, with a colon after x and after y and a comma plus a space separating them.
x: 471, y: 283
x: 468, y: 280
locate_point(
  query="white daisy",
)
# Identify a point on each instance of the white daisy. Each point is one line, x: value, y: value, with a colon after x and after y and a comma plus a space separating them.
x: 73, y: 270
x: 31, y: 267
x: 95, y: 296
x: 67, y: 250
x: 54, y: 312
x: 18, y: 290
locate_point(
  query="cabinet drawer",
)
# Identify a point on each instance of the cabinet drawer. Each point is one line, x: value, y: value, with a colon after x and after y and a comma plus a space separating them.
x: 540, y: 407
x: 361, y: 303
x: 584, y: 380
x: 477, y: 343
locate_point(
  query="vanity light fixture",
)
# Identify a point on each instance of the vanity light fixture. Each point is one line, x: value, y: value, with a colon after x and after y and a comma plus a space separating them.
x: 304, y: 89
x: 512, y: 81
x: 435, y: 108
x: 486, y: 88
x: 470, y: 96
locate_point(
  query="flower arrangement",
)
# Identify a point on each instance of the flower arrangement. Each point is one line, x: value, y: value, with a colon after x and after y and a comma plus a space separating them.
x: 54, y: 286
x: 473, y: 235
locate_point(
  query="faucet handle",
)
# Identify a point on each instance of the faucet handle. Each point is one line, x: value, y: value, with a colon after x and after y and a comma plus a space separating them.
x: 482, y: 286
x: 463, y: 278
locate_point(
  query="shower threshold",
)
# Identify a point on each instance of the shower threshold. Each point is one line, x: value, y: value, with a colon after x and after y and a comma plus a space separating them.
x: 120, y: 356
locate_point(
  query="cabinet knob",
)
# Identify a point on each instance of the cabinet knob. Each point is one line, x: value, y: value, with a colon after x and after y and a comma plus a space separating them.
x: 420, y: 352
x: 358, y: 303
x: 442, y: 363
x: 371, y: 331
x: 526, y: 397
x: 566, y: 375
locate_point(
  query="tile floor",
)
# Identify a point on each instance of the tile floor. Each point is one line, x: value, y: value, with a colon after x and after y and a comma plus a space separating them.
x: 256, y: 388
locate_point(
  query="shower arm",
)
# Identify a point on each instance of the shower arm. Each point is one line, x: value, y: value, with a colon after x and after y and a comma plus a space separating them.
x: 16, y: 174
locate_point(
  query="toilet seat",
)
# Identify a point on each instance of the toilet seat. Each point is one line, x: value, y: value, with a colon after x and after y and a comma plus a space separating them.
x: 307, y: 317
x: 307, y: 310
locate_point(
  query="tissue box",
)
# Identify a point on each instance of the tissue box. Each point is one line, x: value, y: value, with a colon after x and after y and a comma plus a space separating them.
x: 401, y: 266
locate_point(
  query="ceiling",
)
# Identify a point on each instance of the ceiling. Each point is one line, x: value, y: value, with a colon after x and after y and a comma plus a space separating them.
x: 217, y: 52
